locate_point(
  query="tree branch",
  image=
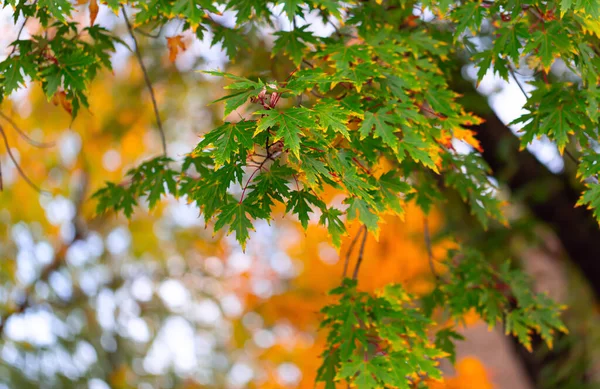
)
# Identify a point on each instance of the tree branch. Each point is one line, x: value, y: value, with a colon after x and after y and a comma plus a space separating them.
x: 29, y: 140
x: 147, y: 79
x: 350, y: 249
x: 17, y: 166
x: 360, y: 253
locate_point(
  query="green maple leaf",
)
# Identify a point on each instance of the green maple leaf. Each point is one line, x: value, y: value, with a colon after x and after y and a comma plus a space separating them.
x: 390, y: 188
x: 365, y: 214
x: 246, y: 8
x: 314, y: 169
x: 383, y: 122
x: 12, y: 78
x: 292, y: 8
x: 416, y: 147
x: 231, y: 39
x: 238, y: 216
x: 243, y: 87
x: 393, y: 372
x: 227, y: 139
x: 591, y: 198
x: 332, y: 116
x: 469, y: 15
x: 309, y: 78
x: 287, y: 124
x: 293, y: 43
x: 271, y: 186
x: 557, y: 126
x: 330, y: 217
x: 328, y: 369
x: 60, y: 9
x: 115, y: 197
x: 193, y: 10
x: 549, y: 43
x: 444, y: 340
x: 343, y: 55
x: 299, y: 203
x: 361, y: 373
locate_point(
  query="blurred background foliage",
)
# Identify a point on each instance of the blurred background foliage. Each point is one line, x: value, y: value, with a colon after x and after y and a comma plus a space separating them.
x: 99, y: 302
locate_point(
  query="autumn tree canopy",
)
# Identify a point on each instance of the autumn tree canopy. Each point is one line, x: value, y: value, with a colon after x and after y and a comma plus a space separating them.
x: 344, y: 116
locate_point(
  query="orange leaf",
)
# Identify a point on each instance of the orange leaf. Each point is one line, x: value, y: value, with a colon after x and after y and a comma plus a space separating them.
x: 175, y: 44
x: 93, y: 11
x: 60, y: 98
x: 468, y: 137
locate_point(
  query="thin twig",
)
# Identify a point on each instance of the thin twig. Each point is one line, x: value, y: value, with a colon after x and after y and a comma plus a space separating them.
x: 514, y: 76
x: 19, y: 34
x: 148, y: 82
x: 147, y: 34
x: 21, y: 172
x: 350, y: 249
x: 32, y: 142
x: 361, y: 252
x: 427, y: 237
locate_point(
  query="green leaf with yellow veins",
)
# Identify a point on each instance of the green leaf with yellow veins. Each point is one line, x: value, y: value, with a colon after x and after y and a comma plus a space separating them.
x: 238, y: 216
x: 365, y: 214
x: 330, y: 217
x: 227, y: 139
x: 383, y: 122
x: 287, y: 125
x: 332, y: 116
x: 292, y: 43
